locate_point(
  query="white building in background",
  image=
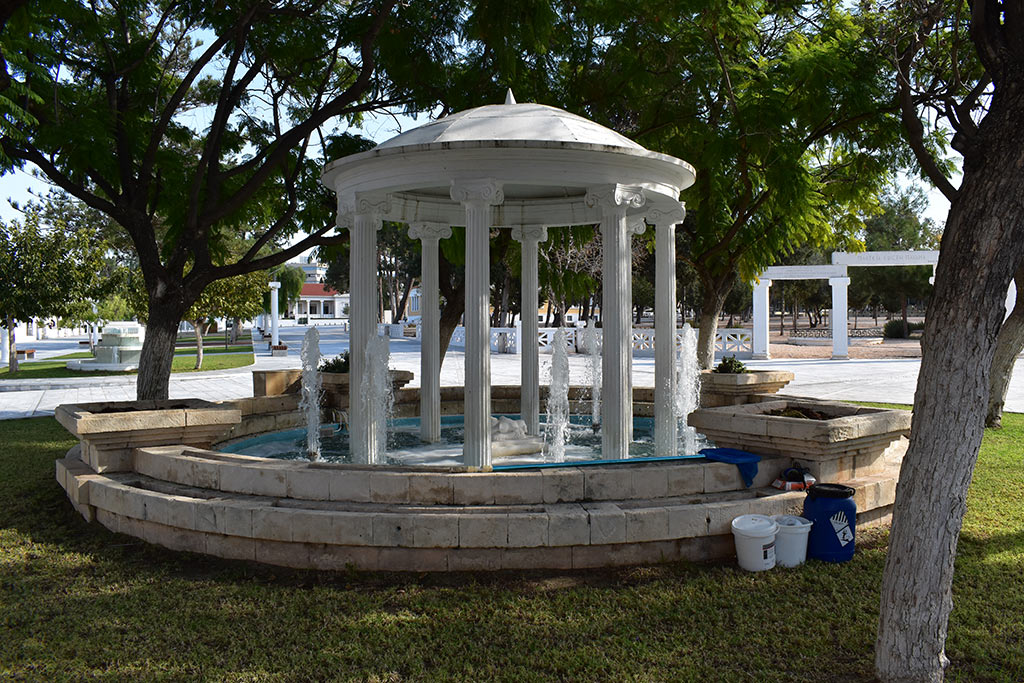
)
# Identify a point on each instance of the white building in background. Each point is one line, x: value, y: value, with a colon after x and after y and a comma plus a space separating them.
x: 314, y: 269
x: 318, y: 301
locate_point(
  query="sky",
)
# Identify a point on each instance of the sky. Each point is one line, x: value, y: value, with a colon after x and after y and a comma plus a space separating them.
x: 20, y: 185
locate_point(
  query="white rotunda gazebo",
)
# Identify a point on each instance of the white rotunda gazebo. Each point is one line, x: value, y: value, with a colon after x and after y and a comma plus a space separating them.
x: 524, y: 167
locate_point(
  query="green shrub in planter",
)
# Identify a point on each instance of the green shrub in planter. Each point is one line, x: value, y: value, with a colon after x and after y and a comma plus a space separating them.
x: 337, y: 364
x: 730, y: 365
x: 894, y: 328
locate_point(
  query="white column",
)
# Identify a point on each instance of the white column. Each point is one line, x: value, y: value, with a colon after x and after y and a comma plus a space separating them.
x: 4, y: 344
x: 761, y: 319
x: 616, y: 403
x: 666, y: 422
x: 529, y: 236
x: 429, y: 235
x: 636, y: 226
x: 363, y: 316
x: 274, y: 286
x: 840, y: 330
x: 478, y: 197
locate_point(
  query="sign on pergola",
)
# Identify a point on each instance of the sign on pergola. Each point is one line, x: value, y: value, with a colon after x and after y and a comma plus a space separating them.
x: 836, y: 275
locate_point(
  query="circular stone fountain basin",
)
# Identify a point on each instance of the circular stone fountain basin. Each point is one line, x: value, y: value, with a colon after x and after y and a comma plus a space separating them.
x: 404, y: 446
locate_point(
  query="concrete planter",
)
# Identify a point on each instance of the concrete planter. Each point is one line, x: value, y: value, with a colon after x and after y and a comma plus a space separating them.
x: 336, y: 385
x: 855, y: 441
x: 730, y: 389
x: 109, y: 431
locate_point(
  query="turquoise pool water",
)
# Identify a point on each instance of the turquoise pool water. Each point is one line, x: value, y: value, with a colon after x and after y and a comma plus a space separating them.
x: 405, y: 448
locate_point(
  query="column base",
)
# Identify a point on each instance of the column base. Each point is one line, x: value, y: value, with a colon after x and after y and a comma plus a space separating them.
x: 843, y: 357
x: 761, y: 356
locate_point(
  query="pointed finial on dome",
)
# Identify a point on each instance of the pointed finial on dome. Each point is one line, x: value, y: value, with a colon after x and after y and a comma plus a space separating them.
x: 509, y: 97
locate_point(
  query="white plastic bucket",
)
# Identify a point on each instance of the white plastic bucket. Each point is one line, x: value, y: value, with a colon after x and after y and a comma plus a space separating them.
x: 755, y: 542
x: 791, y: 540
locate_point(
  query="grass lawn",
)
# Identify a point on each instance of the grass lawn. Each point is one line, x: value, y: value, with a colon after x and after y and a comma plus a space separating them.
x: 183, y: 362
x: 77, y: 601
x: 212, y: 348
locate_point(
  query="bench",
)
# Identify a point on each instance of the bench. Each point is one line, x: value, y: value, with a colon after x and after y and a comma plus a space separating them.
x: 24, y: 354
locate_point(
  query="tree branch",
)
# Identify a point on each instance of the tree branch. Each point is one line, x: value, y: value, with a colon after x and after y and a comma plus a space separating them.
x: 336, y: 106
x: 912, y: 123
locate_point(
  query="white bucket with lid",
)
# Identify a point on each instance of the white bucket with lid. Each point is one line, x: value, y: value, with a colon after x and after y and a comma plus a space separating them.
x: 755, y: 541
x: 791, y: 540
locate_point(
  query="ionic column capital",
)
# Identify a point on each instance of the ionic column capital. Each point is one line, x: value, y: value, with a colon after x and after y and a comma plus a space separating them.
x: 615, y: 197
x: 429, y: 230
x: 670, y: 216
x: 636, y: 225
x: 839, y: 281
x: 534, y: 233
x: 370, y: 210
x: 486, y: 191
x: 763, y: 283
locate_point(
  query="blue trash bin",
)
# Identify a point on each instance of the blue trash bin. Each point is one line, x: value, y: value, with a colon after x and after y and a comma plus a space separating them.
x: 834, y: 513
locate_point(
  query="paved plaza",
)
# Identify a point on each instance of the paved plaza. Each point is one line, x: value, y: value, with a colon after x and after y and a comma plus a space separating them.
x: 886, y: 380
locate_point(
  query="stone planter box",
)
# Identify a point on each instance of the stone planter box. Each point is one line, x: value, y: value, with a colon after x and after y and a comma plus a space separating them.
x: 731, y: 389
x: 109, y: 431
x: 854, y: 442
x: 336, y: 384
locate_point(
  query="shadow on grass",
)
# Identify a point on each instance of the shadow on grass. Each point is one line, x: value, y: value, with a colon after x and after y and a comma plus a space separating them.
x: 78, y: 601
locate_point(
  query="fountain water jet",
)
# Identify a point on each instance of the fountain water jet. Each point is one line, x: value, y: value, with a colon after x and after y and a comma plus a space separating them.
x: 378, y: 393
x: 312, y: 389
x: 556, y: 431
x: 687, y: 398
x: 593, y: 346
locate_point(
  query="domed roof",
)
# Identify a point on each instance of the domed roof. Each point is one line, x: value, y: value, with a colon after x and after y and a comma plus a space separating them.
x: 512, y: 121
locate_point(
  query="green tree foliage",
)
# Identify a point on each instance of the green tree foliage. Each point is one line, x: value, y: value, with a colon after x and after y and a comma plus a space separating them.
x: 238, y: 298
x: 899, y: 227
x: 291, y: 278
x: 45, y: 271
x: 398, y: 266
x: 109, y: 93
x: 782, y: 108
x: 568, y: 267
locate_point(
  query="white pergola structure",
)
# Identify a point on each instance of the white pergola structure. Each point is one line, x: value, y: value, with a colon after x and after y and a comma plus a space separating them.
x: 836, y: 274
x: 519, y: 166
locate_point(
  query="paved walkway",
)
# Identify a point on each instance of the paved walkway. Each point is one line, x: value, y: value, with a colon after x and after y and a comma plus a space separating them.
x: 887, y: 380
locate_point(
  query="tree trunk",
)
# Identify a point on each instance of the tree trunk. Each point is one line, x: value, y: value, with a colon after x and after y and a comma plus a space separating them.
x: 782, y: 316
x: 12, y: 347
x: 980, y: 251
x: 154, y: 377
x: 903, y: 312
x: 710, y: 309
x: 451, y: 313
x: 198, y: 325
x: 503, y: 308
x: 404, y: 301
x: 1008, y: 347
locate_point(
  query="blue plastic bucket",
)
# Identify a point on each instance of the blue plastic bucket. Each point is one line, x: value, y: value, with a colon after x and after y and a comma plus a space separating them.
x: 834, y: 513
